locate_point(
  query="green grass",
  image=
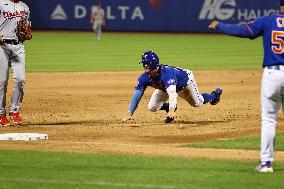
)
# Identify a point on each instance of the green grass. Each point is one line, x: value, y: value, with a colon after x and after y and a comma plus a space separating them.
x: 46, y: 170
x: 79, y: 51
x: 250, y: 143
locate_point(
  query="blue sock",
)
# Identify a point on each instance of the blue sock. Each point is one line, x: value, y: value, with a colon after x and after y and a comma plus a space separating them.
x: 208, y: 97
x: 165, y: 107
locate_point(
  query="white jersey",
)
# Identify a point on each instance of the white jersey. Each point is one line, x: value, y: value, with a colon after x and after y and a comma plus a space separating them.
x: 99, y: 14
x: 10, y: 14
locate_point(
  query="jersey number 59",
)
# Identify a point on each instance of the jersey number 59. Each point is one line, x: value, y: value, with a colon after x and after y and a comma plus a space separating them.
x: 277, y: 39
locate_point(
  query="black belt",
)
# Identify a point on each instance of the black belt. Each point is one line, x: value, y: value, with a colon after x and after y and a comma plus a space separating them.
x: 11, y: 41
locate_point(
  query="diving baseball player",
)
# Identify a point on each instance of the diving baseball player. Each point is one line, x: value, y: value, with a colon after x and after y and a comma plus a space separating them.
x: 272, y: 88
x: 12, y: 54
x: 169, y: 82
x: 98, y: 20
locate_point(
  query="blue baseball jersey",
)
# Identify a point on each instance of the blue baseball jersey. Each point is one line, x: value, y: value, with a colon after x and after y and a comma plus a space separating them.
x: 168, y: 75
x: 272, y: 30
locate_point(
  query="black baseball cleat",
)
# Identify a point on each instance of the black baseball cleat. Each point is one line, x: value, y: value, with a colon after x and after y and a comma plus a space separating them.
x: 169, y: 119
x: 217, y: 92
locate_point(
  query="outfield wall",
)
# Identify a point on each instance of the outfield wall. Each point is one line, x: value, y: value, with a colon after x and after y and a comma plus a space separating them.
x: 147, y: 15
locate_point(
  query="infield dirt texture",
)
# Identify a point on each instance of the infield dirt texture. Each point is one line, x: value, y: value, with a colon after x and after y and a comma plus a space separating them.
x: 86, y: 115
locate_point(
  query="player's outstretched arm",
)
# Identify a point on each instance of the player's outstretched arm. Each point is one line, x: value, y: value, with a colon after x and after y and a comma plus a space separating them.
x: 243, y: 30
x: 133, y: 105
x: 171, y: 90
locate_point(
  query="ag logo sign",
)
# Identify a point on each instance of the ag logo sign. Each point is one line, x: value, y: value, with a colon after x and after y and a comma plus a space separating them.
x: 217, y: 9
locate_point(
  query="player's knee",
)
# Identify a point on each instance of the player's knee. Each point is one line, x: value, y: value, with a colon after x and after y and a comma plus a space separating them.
x: 20, y: 82
x: 152, y: 108
x: 269, y: 121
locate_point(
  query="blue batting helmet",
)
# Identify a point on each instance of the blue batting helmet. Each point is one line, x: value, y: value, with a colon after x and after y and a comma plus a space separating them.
x: 150, y: 59
x: 281, y: 2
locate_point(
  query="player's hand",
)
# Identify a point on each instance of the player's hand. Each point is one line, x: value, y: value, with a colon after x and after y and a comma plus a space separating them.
x: 213, y: 25
x: 171, y: 113
x: 127, y: 117
x: 170, y: 116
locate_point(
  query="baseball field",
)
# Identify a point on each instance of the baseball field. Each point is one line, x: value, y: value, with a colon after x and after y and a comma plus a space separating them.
x: 78, y: 89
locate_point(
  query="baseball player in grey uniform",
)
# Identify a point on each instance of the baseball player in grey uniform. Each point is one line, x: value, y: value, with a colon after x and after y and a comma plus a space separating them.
x: 272, y: 88
x: 98, y: 20
x: 12, y: 54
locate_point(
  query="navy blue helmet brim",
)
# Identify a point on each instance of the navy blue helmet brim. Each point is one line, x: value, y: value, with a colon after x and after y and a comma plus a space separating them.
x: 144, y: 62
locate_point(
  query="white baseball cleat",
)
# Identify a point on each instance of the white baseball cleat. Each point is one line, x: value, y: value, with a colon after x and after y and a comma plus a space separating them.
x: 264, y: 167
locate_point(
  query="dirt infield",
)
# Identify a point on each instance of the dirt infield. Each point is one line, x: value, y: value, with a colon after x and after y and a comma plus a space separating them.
x: 82, y: 112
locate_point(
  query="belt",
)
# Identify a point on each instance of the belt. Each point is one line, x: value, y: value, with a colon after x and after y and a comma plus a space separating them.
x: 11, y: 41
x: 275, y: 67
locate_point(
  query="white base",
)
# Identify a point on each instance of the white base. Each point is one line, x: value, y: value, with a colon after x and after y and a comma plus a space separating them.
x: 23, y: 136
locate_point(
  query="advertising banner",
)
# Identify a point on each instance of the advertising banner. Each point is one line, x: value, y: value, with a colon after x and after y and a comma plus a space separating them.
x: 147, y: 15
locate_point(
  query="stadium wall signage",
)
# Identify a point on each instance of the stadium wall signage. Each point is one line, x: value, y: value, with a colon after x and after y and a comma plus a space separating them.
x: 147, y: 15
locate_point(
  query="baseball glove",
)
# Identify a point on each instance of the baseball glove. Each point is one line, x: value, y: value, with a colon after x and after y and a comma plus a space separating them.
x: 24, y: 31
